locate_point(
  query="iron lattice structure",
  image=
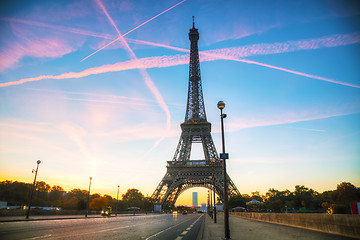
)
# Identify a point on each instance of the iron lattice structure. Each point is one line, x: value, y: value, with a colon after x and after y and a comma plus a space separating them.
x: 183, y: 173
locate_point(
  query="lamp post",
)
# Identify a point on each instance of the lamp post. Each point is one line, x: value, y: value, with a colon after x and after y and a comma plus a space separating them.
x: 88, y: 200
x: 224, y: 156
x: 145, y: 203
x: 213, y: 178
x: 208, y: 203
x: 32, y: 189
x: 117, y: 201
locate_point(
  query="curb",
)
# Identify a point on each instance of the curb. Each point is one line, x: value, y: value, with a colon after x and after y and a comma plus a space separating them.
x: 23, y: 219
x: 43, y: 219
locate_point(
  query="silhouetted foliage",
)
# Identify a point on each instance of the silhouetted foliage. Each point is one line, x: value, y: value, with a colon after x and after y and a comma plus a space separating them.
x: 237, y: 201
x: 133, y: 198
x: 256, y: 196
x: 303, y: 198
x: 15, y: 193
x: 99, y: 202
x: 81, y: 205
x: 348, y: 192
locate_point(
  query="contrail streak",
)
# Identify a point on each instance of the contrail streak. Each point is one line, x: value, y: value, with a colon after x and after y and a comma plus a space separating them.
x: 285, y: 70
x: 159, y: 62
x: 233, y: 54
x: 121, y: 36
x: 157, y: 45
x: 148, y: 81
x: 151, y: 62
x: 263, y: 49
x: 226, y: 53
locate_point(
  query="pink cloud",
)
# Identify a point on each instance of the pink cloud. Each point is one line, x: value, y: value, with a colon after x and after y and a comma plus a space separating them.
x: 51, y: 48
x: 29, y: 44
x: 58, y: 28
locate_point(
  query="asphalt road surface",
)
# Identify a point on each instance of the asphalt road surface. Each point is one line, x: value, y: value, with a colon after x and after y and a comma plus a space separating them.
x: 143, y: 227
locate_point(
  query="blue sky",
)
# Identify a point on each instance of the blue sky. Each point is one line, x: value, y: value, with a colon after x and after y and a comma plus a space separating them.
x: 288, y: 72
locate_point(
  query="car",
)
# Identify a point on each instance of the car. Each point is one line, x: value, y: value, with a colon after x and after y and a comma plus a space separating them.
x: 106, y: 211
x: 184, y: 212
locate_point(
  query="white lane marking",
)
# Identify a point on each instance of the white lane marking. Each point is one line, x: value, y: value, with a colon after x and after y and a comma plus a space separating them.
x: 94, y: 232
x: 44, y: 236
x: 188, y: 229
x: 165, y: 230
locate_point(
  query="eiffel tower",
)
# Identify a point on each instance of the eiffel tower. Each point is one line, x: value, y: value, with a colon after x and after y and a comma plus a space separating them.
x: 183, y: 173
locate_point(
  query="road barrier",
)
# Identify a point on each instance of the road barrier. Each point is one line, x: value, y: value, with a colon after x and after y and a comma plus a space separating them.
x: 341, y: 224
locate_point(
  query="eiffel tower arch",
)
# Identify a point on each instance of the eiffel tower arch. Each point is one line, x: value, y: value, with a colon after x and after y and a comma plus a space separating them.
x: 182, y: 172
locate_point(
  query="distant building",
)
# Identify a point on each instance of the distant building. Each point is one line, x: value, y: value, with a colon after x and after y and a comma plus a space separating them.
x: 254, y: 205
x: 203, y: 207
x: 3, y: 204
x: 219, y: 207
x: 195, y: 199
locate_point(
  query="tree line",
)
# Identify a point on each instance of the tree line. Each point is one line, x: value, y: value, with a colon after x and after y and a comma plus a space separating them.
x: 17, y: 194
x: 302, y: 199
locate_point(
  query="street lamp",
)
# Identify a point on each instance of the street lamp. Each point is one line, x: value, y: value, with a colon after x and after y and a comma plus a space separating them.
x: 88, y: 200
x: 117, y: 201
x: 224, y: 156
x: 145, y: 203
x: 213, y: 178
x: 32, y: 189
x: 208, y: 203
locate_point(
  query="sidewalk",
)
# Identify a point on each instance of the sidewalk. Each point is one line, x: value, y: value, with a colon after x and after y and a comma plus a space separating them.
x: 216, y: 231
x: 241, y: 228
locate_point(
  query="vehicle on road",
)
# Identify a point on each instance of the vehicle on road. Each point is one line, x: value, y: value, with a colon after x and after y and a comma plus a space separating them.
x: 106, y: 211
x: 184, y: 212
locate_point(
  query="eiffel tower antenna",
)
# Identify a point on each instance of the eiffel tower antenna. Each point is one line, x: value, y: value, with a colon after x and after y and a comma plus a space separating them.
x: 182, y: 172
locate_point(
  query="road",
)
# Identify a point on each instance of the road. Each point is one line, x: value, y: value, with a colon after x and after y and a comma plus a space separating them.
x: 145, y: 227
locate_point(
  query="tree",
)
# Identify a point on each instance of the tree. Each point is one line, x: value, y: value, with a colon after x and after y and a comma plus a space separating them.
x: 81, y: 205
x: 256, y: 195
x: 304, y: 197
x: 98, y: 203
x: 148, y: 204
x: 71, y: 203
x: 75, y: 199
x: 348, y: 192
x: 275, y: 199
x: 56, y: 193
x: 133, y: 197
x: 78, y: 193
x: 246, y: 197
x: 15, y: 193
x: 237, y: 201
x: 108, y: 197
x: 95, y: 195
